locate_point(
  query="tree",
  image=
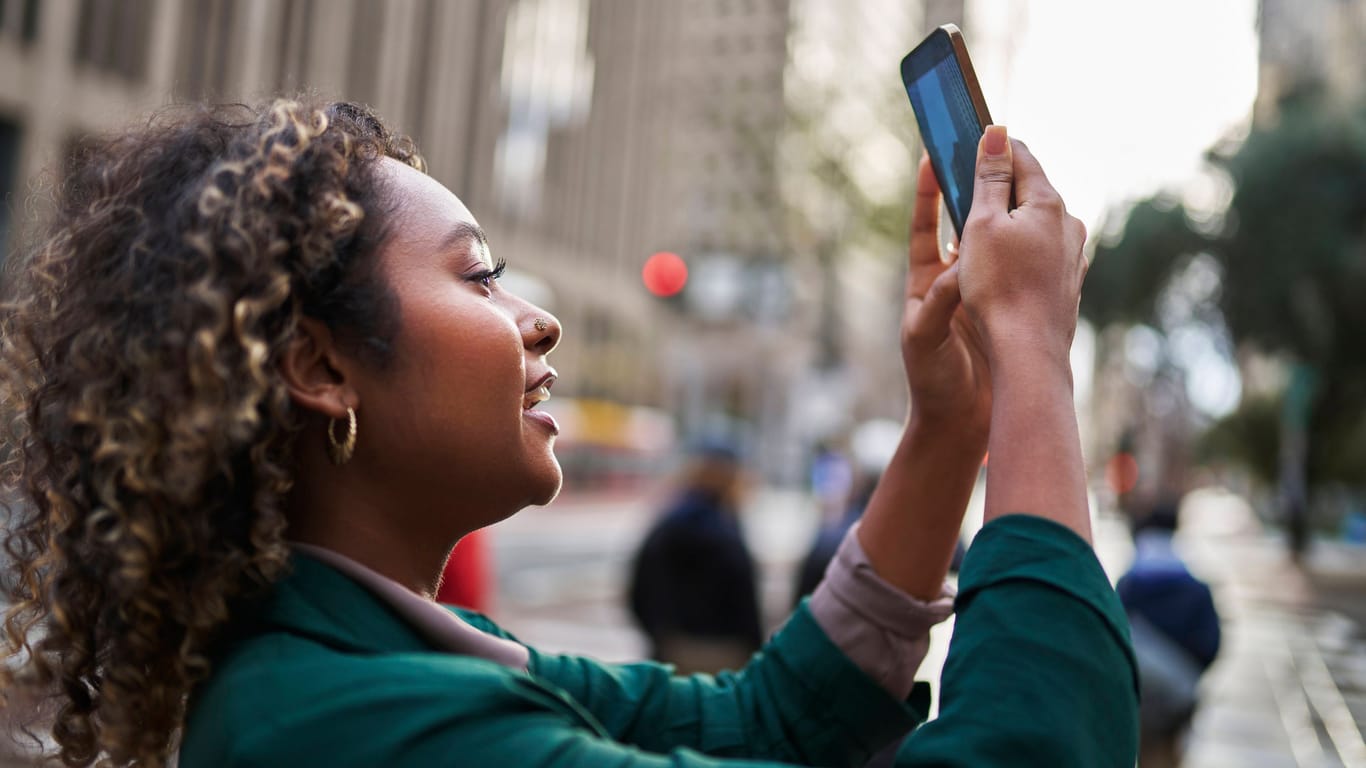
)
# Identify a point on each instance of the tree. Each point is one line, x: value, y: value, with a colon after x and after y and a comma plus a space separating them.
x: 1291, y: 252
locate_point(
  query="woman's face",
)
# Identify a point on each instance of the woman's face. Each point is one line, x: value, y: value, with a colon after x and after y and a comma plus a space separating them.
x: 451, y: 424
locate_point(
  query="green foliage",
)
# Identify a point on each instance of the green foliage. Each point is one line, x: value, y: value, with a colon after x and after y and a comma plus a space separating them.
x: 1294, y: 248
x: 1292, y: 258
x: 1127, y: 276
x: 1250, y: 436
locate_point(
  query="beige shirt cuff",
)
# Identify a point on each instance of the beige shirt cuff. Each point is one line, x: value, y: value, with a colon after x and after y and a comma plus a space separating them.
x: 883, y: 630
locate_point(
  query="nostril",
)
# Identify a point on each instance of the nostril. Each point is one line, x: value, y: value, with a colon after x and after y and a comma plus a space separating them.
x: 549, y: 330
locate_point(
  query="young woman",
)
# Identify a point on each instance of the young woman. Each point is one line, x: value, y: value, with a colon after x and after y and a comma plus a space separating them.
x: 260, y: 376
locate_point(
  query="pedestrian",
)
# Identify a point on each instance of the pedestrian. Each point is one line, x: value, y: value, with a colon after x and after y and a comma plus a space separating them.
x: 259, y: 376
x: 1176, y: 633
x: 692, y: 588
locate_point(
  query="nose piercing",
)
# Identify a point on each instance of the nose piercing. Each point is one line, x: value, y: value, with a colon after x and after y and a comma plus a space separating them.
x: 541, y: 324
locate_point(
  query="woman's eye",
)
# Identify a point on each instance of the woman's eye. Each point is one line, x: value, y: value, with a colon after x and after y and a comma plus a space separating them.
x: 487, y: 277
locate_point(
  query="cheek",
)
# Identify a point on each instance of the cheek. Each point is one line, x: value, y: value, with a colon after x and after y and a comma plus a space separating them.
x: 471, y: 371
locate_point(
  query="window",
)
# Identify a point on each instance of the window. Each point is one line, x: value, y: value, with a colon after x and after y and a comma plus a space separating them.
x: 19, y: 20
x: 206, y: 41
x: 295, y: 21
x: 10, y: 136
x: 113, y: 36
x: 367, y: 34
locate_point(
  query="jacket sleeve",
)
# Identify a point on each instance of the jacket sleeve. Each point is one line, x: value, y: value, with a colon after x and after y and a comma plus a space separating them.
x: 428, y: 710
x: 1040, y: 671
x: 799, y: 700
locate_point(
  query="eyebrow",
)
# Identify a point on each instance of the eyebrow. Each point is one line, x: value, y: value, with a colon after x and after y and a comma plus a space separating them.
x: 462, y: 232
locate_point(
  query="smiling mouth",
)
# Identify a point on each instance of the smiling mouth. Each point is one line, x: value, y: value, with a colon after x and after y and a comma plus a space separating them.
x: 535, y: 397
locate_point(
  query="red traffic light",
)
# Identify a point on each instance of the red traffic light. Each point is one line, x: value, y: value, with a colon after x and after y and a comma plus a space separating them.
x: 664, y: 274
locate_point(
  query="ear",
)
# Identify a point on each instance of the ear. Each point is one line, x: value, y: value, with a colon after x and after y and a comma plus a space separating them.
x: 316, y: 371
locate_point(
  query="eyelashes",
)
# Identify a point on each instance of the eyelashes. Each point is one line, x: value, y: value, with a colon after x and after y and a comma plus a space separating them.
x: 487, y: 277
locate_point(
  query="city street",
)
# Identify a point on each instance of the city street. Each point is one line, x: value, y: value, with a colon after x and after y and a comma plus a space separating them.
x: 1288, y: 689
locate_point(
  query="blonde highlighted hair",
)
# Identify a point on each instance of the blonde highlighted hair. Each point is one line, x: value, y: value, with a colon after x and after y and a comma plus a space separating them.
x: 146, y: 438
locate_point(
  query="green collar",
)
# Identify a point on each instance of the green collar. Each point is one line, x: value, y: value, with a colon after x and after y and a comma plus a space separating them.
x: 318, y: 601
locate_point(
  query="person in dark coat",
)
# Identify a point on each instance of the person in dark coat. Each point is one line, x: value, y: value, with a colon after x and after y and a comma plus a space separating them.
x: 693, y: 586
x: 1175, y: 630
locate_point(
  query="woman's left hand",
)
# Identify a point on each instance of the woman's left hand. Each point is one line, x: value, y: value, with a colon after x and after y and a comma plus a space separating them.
x: 946, y: 364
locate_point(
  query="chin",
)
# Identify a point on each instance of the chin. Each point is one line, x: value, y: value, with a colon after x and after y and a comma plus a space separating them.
x: 545, y: 486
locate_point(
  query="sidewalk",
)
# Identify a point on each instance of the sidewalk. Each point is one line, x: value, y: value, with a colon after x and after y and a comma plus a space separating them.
x: 1289, y: 686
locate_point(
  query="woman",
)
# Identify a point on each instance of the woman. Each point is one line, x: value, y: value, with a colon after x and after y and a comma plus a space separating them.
x: 260, y: 377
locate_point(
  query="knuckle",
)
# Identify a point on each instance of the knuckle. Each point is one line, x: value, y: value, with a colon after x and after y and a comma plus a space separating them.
x: 1048, y: 199
x: 914, y: 336
x: 1075, y: 231
x: 991, y: 173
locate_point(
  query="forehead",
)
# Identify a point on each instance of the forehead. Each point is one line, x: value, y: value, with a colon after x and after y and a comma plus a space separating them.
x: 424, y: 212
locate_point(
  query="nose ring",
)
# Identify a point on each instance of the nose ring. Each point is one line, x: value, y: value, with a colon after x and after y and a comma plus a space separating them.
x: 541, y: 324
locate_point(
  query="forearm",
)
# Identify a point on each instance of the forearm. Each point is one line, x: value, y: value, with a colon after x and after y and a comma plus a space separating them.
x: 1039, y: 671
x: 801, y: 700
x: 912, y: 522
x: 1036, y: 464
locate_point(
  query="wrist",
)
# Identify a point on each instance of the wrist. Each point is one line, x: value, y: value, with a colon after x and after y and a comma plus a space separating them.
x: 960, y: 435
x: 1012, y: 351
x: 1016, y: 332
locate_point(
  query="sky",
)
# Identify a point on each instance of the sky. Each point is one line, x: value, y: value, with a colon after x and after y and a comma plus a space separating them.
x: 1117, y: 98
x: 1120, y: 100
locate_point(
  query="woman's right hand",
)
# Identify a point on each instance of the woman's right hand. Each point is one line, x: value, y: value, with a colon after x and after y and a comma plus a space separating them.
x: 1020, y: 269
x: 1020, y: 272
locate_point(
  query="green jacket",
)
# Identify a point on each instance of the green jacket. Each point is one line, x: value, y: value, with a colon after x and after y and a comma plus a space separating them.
x: 1039, y: 673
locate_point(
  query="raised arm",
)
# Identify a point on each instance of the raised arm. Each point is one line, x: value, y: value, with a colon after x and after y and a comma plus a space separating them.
x: 1021, y: 277
x: 912, y: 522
x: 1040, y: 671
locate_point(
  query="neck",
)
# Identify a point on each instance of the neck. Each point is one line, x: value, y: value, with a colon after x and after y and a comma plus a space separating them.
x: 415, y: 566
x: 341, y: 509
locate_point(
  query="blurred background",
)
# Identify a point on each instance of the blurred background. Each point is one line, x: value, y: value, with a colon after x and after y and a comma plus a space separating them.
x: 712, y: 196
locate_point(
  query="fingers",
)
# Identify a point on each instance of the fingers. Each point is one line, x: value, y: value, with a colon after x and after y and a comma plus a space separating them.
x: 925, y: 217
x: 995, y: 173
x: 932, y: 320
x: 1077, y: 231
x: 1032, y: 187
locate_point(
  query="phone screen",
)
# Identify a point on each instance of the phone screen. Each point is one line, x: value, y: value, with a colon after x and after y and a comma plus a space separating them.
x: 951, y: 124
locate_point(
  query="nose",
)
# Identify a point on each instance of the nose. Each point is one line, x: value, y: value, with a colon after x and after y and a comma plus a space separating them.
x: 540, y: 330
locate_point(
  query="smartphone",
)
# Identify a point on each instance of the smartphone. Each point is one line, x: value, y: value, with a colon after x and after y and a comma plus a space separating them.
x: 951, y: 112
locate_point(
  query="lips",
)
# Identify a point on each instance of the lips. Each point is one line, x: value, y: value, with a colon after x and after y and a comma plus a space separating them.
x: 538, y: 393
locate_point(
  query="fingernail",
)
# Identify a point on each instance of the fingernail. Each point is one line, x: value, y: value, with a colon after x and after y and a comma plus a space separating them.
x: 995, y: 141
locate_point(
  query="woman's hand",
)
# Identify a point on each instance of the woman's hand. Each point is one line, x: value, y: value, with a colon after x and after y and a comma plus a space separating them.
x: 1020, y: 272
x: 1022, y: 267
x: 946, y: 365
x: 911, y: 524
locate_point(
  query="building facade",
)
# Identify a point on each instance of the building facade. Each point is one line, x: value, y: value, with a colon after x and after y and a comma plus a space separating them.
x: 1309, y: 41
x: 586, y: 135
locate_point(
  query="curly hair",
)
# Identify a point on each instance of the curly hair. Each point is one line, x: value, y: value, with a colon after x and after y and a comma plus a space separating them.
x: 146, y: 437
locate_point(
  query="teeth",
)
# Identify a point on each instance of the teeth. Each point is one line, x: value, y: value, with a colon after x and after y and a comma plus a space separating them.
x: 536, y: 396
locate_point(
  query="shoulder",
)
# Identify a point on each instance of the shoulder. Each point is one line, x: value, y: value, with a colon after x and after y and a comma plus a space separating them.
x: 282, y: 690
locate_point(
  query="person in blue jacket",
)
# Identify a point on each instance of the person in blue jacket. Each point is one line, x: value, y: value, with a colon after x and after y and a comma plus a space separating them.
x: 1176, y: 632
x: 259, y: 376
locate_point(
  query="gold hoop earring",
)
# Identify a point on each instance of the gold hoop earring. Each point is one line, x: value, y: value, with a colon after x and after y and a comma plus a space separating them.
x: 341, y: 452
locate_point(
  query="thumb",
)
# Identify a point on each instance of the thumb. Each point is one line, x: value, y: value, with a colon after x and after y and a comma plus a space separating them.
x: 995, y: 172
x: 931, y: 323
